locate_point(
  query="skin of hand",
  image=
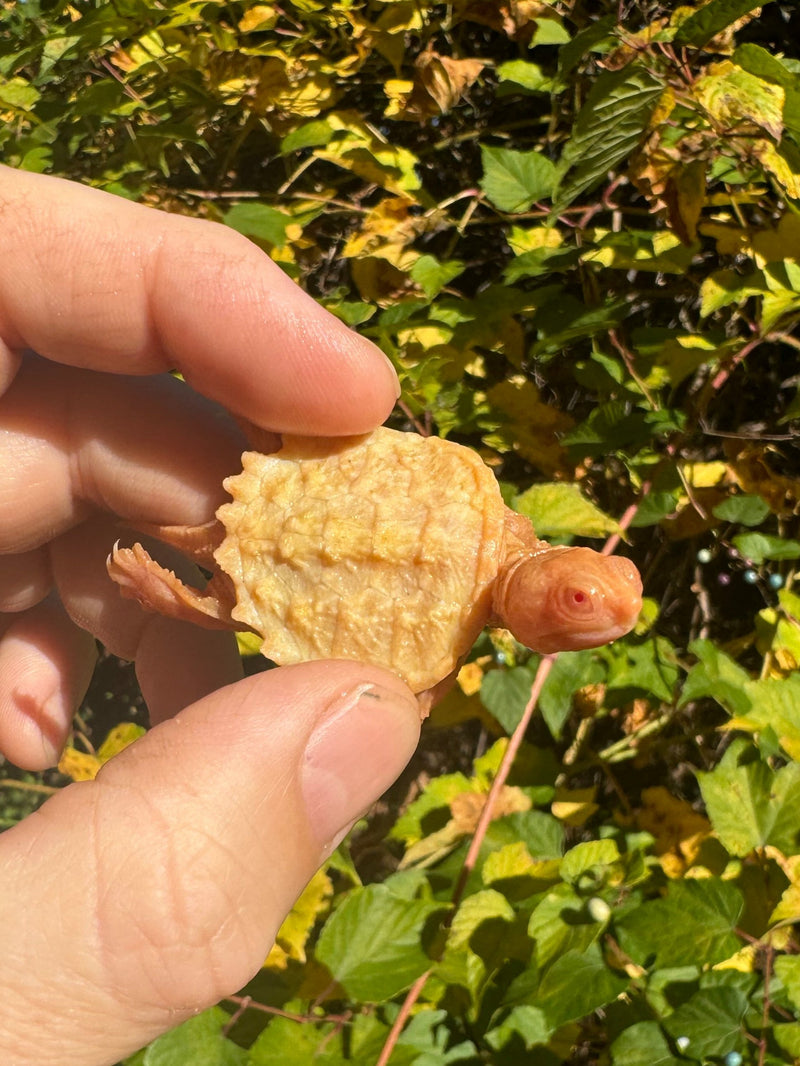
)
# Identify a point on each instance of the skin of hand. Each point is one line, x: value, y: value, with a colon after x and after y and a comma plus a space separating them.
x: 132, y: 901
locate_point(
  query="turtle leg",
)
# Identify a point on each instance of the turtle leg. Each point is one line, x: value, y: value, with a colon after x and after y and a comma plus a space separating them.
x: 431, y: 696
x: 198, y: 543
x: 141, y: 578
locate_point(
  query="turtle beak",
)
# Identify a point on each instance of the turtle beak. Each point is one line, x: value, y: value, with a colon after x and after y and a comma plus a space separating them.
x: 627, y: 597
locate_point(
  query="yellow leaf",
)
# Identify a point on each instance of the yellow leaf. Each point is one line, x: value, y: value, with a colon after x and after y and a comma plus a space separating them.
x: 79, y: 765
x: 752, y: 469
x: 512, y: 860
x: 290, y: 943
x: 439, y: 83
x: 249, y: 643
x: 705, y: 475
x: 732, y: 95
x: 778, y: 243
x: 776, y: 162
x: 467, y: 807
x: 511, y: 17
x: 685, y: 197
x: 788, y: 908
x: 378, y: 281
x: 678, y: 829
x: 360, y: 149
x: 258, y: 17
x: 293, y: 87
x: 118, y: 739
x: 85, y: 766
x: 469, y: 678
x: 744, y: 961
x: 574, y: 806
x: 533, y: 427
x: 526, y: 239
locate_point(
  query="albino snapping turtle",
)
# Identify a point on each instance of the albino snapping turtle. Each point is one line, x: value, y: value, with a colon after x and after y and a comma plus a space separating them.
x: 389, y: 548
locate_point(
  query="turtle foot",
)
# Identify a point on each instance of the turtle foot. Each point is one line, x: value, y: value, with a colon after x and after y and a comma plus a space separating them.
x: 157, y: 589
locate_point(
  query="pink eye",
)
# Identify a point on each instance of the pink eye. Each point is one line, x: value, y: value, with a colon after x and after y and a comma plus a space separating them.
x: 577, y: 601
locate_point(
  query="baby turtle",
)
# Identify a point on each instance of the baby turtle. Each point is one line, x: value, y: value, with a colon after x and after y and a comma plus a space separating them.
x: 389, y: 548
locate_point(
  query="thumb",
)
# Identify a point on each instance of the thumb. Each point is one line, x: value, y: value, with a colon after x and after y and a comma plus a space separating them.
x: 134, y: 900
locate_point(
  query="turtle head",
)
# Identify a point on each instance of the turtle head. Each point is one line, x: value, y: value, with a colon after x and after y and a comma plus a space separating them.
x: 566, y: 599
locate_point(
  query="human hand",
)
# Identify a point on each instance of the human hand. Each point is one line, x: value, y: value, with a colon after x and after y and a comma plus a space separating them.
x: 132, y: 901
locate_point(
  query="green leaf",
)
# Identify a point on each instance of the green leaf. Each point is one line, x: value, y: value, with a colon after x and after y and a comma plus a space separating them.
x: 711, y: 1021
x: 260, y: 221
x: 18, y: 93
x: 757, y: 547
x: 586, y: 857
x: 372, y: 943
x: 725, y: 287
x: 315, y: 134
x: 563, y: 318
x: 199, y: 1041
x: 642, y: 1042
x: 595, y: 35
x: 654, y: 507
x: 749, y: 804
x: 787, y: 968
x: 432, y: 275
x: 774, y: 705
x: 650, y: 667
x: 559, y: 509
x: 416, y: 820
x: 571, y: 671
x: 288, y: 1043
x: 541, y: 833
x: 610, y: 426
x: 694, y: 924
x: 505, y: 694
x: 561, y: 924
x: 480, y: 907
x: 576, y: 984
x: 513, y: 180
x: 524, y: 75
x: 608, y: 128
x: 718, y: 676
x: 710, y: 19
x: 745, y: 510
x: 527, y: 1022
x: 549, y: 31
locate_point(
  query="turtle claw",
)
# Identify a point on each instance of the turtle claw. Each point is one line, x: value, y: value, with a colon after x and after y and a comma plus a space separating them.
x: 157, y: 589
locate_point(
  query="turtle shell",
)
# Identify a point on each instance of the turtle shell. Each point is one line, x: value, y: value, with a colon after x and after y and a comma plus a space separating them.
x: 382, y: 548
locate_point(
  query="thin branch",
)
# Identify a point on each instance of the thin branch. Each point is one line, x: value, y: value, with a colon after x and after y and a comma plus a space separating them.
x: 545, y: 666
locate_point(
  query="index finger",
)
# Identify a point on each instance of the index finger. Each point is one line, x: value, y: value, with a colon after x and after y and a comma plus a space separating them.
x: 92, y: 280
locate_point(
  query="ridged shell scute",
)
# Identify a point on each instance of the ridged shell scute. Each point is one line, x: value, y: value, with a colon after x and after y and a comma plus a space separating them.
x: 382, y: 548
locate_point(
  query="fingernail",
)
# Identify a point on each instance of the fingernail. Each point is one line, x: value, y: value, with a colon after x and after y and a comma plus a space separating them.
x: 353, y: 756
x: 395, y: 379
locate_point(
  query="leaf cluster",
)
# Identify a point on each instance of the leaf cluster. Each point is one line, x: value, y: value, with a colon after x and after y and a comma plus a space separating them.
x: 575, y: 230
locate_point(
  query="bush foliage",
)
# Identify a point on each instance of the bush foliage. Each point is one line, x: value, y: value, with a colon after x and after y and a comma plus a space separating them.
x: 574, y: 227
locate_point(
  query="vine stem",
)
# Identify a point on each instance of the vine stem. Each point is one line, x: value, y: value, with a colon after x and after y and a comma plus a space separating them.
x: 413, y: 994
x: 544, y: 668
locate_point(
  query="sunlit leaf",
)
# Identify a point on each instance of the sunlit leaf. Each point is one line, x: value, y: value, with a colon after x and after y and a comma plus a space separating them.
x: 372, y: 943
x: 561, y: 510
x: 693, y: 924
x: 751, y: 805
x: 731, y: 94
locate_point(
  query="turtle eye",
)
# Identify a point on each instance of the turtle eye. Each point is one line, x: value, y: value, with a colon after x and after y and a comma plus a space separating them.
x: 577, y: 602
